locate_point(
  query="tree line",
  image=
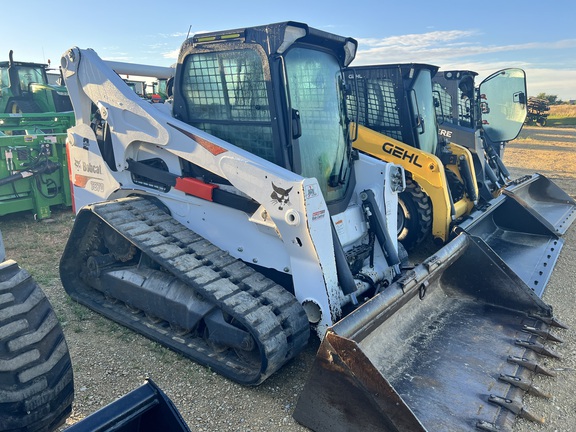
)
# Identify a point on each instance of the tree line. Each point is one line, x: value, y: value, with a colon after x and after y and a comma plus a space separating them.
x: 552, y: 99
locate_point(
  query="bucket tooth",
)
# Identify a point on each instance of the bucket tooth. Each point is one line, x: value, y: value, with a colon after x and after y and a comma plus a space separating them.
x: 544, y: 334
x: 530, y: 365
x: 551, y: 321
x: 523, y: 385
x: 516, y: 407
x: 538, y: 348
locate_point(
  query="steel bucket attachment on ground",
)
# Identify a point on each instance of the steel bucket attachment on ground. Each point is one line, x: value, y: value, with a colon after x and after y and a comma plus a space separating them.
x: 545, y: 200
x: 145, y: 409
x: 435, y: 351
x: 514, y: 237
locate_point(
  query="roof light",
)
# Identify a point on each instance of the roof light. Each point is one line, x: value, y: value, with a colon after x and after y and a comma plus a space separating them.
x: 291, y: 35
x: 350, y: 52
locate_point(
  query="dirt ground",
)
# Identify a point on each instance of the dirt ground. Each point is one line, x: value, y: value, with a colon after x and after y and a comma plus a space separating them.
x: 110, y: 361
x: 552, y: 153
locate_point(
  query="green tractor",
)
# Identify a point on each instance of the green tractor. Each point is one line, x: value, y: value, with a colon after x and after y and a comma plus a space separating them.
x: 24, y: 88
x: 34, y: 117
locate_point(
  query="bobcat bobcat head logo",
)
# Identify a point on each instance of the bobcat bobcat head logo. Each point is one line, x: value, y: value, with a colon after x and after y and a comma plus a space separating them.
x: 77, y: 163
x: 280, y: 196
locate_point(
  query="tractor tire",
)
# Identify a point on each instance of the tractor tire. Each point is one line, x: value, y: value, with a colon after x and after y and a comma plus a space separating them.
x: 36, y: 381
x: 22, y: 107
x: 414, y: 215
x: 541, y: 121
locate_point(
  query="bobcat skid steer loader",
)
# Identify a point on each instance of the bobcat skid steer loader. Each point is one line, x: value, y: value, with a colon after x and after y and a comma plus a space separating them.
x: 483, y: 120
x: 227, y: 224
x: 395, y: 108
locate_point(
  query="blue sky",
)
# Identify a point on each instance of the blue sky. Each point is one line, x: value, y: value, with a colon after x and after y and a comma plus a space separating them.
x: 479, y: 35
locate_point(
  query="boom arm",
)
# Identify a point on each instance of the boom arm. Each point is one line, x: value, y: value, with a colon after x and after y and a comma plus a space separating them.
x: 137, y: 128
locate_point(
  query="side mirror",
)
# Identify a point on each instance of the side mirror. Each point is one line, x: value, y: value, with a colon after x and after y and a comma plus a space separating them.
x: 503, y: 106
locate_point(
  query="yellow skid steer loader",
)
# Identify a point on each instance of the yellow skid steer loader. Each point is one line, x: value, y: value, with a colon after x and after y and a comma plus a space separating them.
x: 396, y: 110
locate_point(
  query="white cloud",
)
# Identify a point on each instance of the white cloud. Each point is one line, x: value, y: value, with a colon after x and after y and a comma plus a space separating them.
x: 173, y: 35
x: 416, y: 41
x: 560, y: 82
x: 552, y: 81
x: 173, y: 55
x: 456, y: 50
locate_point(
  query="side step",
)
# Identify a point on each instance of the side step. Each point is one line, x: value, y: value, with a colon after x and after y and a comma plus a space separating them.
x: 439, y: 350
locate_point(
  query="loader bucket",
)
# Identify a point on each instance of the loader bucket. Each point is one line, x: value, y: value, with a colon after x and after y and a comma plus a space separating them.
x: 545, y: 200
x: 517, y: 238
x: 145, y: 409
x: 435, y: 351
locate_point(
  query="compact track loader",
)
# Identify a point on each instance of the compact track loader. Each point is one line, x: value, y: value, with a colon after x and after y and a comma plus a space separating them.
x: 396, y: 110
x: 466, y: 117
x: 228, y: 223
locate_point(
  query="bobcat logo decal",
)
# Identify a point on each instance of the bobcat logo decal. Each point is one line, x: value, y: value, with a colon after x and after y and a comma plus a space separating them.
x: 280, y: 196
x: 77, y: 164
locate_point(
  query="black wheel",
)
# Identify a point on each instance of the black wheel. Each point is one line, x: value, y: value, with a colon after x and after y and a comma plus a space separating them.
x: 36, y: 381
x: 118, y: 246
x: 414, y: 215
x: 541, y: 121
x: 22, y: 106
x: 456, y: 186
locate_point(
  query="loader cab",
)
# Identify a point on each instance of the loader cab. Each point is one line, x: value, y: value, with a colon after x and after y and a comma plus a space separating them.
x: 161, y: 90
x: 482, y: 119
x: 374, y: 102
x: 396, y: 108
x: 16, y: 80
x: 498, y: 106
x: 456, y: 99
x: 276, y: 91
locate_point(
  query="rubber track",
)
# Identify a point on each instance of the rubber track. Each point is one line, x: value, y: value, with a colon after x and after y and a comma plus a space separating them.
x: 36, y: 381
x: 274, y: 317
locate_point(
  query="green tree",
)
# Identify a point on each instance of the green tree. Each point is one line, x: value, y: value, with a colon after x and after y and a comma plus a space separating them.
x: 552, y: 99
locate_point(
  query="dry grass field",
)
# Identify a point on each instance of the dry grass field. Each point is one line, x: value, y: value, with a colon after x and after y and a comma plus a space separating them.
x: 562, y: 115
x: 563, y: 111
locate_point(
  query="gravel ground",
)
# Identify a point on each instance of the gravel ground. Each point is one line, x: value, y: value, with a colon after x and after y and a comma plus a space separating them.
x: 110, y: 361
x: 552, y: 152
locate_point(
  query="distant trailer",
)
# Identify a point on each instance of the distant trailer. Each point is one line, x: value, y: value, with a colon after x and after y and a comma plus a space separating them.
x: 537, y: 111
